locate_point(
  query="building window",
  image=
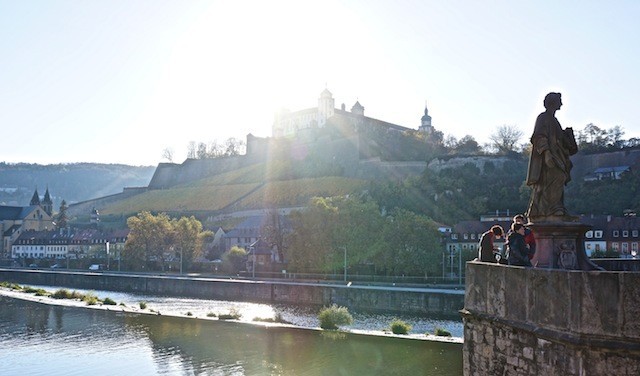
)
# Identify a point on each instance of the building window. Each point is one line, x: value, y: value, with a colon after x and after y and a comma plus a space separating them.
x: 615, y: 246
x: 466, y: 236
x: 634, y: 233
x: 625, y: 234
x: 473, y: 236
x: 598, y: 234
x: 454, y: 236
x: 464, y: 246
x: 634, y: 247
x: 589, y: 234
x: 625, y: 248
x: 472, y: 247
x: 616, y: 233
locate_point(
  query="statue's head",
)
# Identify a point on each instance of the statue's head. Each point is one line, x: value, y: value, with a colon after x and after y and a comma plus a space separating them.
x: 553, y: 101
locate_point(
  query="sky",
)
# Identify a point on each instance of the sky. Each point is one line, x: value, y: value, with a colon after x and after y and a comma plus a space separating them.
x: 119, y: 81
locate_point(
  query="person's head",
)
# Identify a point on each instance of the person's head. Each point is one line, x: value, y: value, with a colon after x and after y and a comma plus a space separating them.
x: 553, y: 101
x: 520, y: 218
x: 497, y: 231
x: 517, y: 227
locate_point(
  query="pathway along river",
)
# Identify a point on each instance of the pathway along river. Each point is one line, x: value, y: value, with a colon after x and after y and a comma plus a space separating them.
x: 42, y: 339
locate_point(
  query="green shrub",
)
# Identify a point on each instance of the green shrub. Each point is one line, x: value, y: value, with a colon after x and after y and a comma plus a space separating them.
x: 62, y: 294
x: 442, y: 332
x: 38, y: 292
x: 109, y: 301
x: 122, y: 304
x: 90, y: 298
x: 10, y: 285
x: 233, y: 314
x: 143, y: 305
x: 189, y: 313
x: 278, y: 318
x: 334, y: 316
x: 211, y: 314
x: 400, y: 327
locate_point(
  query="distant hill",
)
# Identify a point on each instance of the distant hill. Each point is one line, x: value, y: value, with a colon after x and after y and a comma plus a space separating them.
x: 72, y: 182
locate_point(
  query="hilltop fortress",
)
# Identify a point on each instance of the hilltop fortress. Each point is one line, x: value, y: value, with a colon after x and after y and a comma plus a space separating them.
x: 348, y: 141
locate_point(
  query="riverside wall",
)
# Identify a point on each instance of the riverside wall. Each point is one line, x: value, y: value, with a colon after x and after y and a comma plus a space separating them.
x: 524, y: 321
x: 433, y: 302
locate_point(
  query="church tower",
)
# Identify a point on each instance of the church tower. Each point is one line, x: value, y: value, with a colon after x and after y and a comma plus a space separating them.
x: 35, y: 200
x: 47, y: 203
x: 425, y: 125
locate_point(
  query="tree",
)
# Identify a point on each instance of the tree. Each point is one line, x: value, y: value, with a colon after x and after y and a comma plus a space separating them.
x: 188, y: 239
x: 413, y: 245
x: 274, y: 232
x: 505, y: 139
x: 234, y: 259
x: 202, y: 151
x: 150, y: 239
x: 62, y: 219
x: 167, y: 154
x: 467, y: 145
x: 191, y: 150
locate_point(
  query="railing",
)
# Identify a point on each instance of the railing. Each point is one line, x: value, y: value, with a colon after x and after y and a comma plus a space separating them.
x: 370, y: 279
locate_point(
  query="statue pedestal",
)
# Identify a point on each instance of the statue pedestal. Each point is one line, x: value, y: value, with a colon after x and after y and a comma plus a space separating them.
x: 560, y: 245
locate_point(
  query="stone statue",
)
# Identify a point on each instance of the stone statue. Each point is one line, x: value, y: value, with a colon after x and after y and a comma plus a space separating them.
x: 549, y: 165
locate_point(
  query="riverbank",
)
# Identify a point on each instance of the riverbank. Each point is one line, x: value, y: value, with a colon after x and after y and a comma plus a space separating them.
x: 188, y: 315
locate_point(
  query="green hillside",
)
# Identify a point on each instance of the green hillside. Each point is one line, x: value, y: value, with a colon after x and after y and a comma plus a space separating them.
x: 252, y: 187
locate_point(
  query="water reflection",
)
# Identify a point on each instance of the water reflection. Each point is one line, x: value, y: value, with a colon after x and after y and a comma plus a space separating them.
x: 38, y: 339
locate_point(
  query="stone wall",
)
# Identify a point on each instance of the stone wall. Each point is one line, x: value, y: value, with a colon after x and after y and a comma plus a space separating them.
x: 364, y: 298
x: 523, y: 321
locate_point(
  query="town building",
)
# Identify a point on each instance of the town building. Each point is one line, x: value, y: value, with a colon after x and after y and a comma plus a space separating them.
x: 14, y: 220
x: 69, y: 243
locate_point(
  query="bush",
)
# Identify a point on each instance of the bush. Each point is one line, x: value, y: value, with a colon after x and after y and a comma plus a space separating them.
x: 442, y: 332
x: 334, y: 316
x: 62, y: 294
x: 33, y: 290
x: 400, y: 327
x: 189, y: 313
x: 109, y: 301
x: 211, y: 314
x: 90, y: 298
x: 233, y: 314
x: 143, y: 305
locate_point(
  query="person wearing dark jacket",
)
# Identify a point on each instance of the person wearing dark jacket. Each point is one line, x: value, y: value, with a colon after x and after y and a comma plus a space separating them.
x: 517, y: 251
x: 529, y: 238
x: 486, y: 248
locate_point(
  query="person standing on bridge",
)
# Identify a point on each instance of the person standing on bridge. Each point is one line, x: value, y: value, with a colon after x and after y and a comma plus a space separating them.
x: 486, y: 250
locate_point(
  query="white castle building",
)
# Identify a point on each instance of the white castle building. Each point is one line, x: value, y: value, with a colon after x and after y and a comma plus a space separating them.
x: 289, y: 123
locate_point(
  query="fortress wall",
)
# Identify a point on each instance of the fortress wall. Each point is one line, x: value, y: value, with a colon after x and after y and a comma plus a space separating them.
x: 550, y: 322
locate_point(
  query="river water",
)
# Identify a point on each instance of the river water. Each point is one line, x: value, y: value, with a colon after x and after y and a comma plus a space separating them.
x: 43, y: 339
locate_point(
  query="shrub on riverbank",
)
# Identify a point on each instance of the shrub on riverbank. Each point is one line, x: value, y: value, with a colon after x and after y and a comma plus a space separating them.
x: 143, y: 305
x: 277, y: 319
x: 334, y: 316
x: 442, y: 332
x: 108, y: 301
x: 400, y: 327
x: 90, y: 298
x: 233, y: 314
x: 10, y: 285
x: 66, y: 294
